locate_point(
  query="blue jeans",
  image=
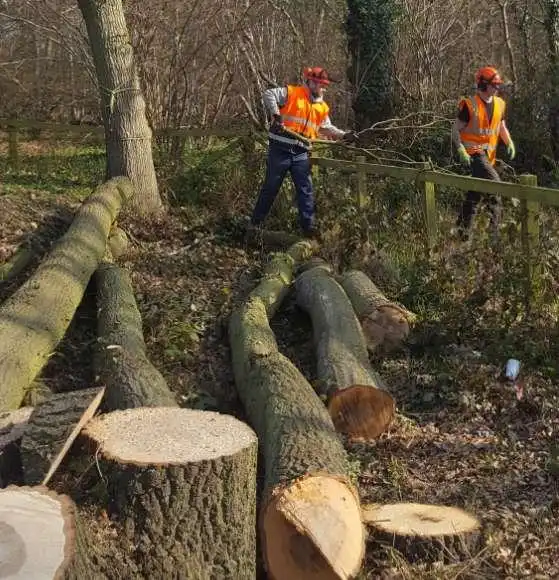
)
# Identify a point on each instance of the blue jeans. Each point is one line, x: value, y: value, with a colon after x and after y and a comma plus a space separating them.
x: 280, y: 160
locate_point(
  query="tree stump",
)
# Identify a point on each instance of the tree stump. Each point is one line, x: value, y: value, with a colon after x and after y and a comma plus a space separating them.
x: 384, y: 322
x: 121, y: 362
x: 357, y: 400
x: 12, y: 428
x: 310, y: 520
x: 424, y: 532
x: 52, y: 428
x: 39, y: 538
x: 183, y: 484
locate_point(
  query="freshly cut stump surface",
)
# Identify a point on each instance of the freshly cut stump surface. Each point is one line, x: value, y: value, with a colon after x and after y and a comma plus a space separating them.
x: 183, y: 483
x: 38, y: 535
x: 420, y: 531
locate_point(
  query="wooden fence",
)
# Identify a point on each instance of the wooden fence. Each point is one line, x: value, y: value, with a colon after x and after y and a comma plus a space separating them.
x: 530, y: 195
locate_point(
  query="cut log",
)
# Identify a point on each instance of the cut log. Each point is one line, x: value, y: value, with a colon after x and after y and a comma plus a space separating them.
x: 51, y: 430
x: 384, y: 322
x: 357, y: 400
x: 39, y: 536
x: 12, y: 427
x: 426, y: 532
x: 183, y: 484
x: 118, y: 242
x: 270, y: 239
x: 16, y: 264
x: 121, y: 363
x: 310, y: 520
x: 34, y: 319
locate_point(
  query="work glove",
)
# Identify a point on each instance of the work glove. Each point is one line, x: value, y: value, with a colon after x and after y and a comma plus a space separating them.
x: 350, y: 137
x: 511, y: 150
x: 464, y: 156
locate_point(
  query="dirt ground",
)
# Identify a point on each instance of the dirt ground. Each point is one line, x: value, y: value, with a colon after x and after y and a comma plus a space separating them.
x: 461, y: 437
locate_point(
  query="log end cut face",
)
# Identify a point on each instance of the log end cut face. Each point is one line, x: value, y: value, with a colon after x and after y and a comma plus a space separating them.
x: 387, y: 327
x: 361, y: 412
x: 313, y: 530
x: 36, y: 533
x: 168, y: 435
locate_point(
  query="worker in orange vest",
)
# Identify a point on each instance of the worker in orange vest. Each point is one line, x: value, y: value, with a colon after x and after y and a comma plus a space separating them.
x: 476, y: 133
x: 302, y: 110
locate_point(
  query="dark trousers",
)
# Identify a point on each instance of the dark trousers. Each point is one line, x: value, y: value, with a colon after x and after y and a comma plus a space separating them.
x: 481, y: 167
x: 282, y: 159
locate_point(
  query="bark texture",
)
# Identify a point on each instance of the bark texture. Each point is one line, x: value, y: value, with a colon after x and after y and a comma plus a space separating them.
x: 121, y: 362
x: 118, y: 242
x: 183, y: 484
x: 127, y: 132
x: 52, y: 428
x: 296, y: 434
x: 41, y: 536
x: 34, y: 319
x: 12, y: 428
x: 359, y: 405
x: 16, y: 264
x: 383, y: 321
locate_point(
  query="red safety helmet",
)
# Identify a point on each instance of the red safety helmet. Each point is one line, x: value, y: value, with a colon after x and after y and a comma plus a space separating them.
x: 488, y: 75
x: 316, y: 74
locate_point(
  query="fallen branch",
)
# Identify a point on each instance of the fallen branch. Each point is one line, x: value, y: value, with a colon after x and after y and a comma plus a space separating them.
x: 16, y: 264
x: 35, y: 318
x: 308, y: 500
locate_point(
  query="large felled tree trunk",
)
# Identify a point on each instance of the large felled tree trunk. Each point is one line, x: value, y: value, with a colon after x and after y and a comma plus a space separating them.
x: 121, y: 362
x: 357, y: 401
x: 34, y: 319
x: 310, y: 521
x: 40, y: 536
x: 127, y: 132
x: 183, y: 484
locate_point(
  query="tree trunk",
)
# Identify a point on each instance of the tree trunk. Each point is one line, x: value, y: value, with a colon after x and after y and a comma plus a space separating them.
x: 384, y: 322
x: 310, y: 521
x: 12, y: 428
x: 40, y: 535
x: 424, y: 532
x: 118, y: 242
x: 183, y: 484
x: 357, y: 401
x: 552, y: 28
x: 34, y: 319
x: 127, y: 132
x: 121, y: 362
x: 51, y: 430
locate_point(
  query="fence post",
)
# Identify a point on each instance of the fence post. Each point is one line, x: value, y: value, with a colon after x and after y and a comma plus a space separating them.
x: 430, y: 210
x: 530, y: 233
x: 13, y: 154
x: 361, y: 184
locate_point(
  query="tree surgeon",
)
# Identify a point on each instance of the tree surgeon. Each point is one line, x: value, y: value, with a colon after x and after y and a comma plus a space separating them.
x: 296, y: 111
x: 476, y: 132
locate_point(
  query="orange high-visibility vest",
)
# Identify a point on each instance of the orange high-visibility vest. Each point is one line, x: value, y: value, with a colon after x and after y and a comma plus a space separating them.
x: 300, y: 114
x: 480, y: 134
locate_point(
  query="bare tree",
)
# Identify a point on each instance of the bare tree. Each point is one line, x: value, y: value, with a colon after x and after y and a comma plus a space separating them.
x: 127, y: 132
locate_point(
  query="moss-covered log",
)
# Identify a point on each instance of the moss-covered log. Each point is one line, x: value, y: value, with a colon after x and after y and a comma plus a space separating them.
x: 118, y: 242
x: 384, y: 322
x: 121, y: 363
x: 358, y: 403
x: 12, y: 428
x: 310, y: 521
x: 34, y: 319
x: 183, y: 484
x: 51, y: 430
x: 423, y: 531
x: 16, y: 264
x: 40, y: 536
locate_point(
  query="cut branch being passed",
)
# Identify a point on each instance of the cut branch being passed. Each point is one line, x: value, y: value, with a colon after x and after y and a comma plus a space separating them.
x: 35, y: 318
x: 358, y: 403
x: 384, y: 322
x: 40, y: 537
x: 426, y: 532
x: 121, y: 363
x: 310, y: 521
x: 183, y: 484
